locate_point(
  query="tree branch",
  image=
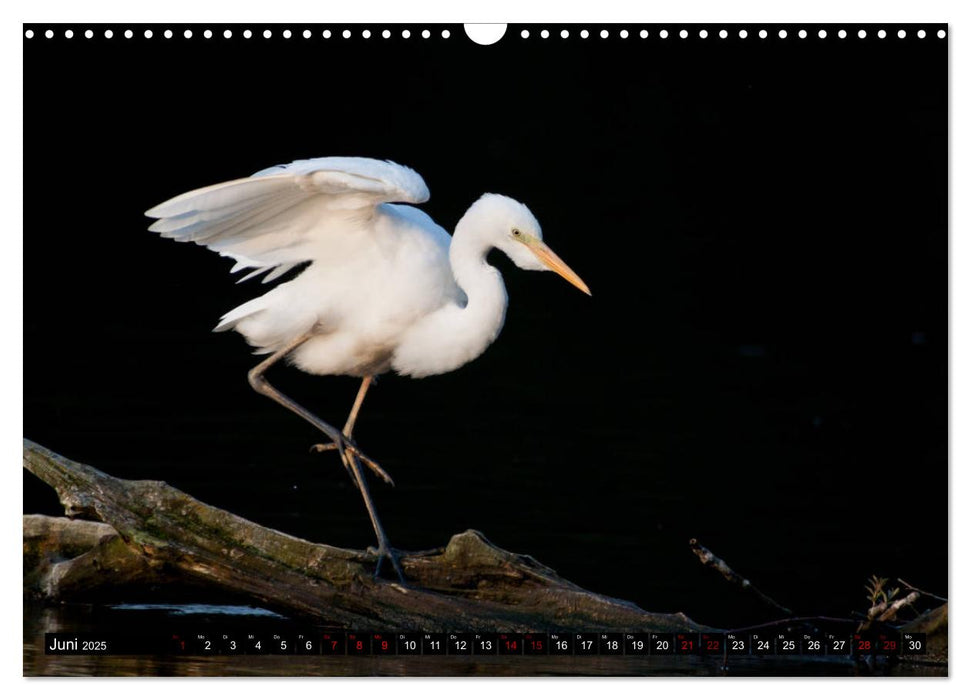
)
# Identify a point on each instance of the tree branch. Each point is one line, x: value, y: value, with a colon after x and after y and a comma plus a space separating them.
x: 707, y: 558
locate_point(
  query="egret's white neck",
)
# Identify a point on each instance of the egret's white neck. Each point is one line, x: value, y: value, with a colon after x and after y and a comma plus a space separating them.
x: 455, y: 334
x: 485, y: 312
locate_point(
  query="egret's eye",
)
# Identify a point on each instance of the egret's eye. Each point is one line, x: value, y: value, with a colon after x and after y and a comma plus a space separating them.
x: 516, y: 232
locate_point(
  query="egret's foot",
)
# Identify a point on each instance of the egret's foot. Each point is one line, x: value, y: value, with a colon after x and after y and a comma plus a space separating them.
x: 383, y: 553
x: 349, y: 449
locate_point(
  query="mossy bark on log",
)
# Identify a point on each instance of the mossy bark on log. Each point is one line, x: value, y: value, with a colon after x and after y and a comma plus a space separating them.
x: 162, y: 533
x: 69, y: 559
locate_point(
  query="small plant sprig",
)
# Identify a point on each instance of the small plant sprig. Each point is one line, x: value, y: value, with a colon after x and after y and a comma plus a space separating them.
x: 884, y: 603
x: 876, y: 589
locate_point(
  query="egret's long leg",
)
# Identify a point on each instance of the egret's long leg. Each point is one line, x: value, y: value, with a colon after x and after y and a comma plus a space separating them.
x: 348, y: 455
x: 344, y: 443
x: 352, y: 418
x: 349, y: 428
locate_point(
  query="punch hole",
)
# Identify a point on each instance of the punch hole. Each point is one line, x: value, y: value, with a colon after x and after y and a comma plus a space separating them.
x: 822, y: 34
x: 683, y: 34
x: 742, y: 34
x: 129, y: 34
x: 524, y: 34
x: 803, y: 34
x: 29, y: 34
x: 763, y: 34
x: 643, y: 34
x: 148, y: 33
x: 68, y: 34
x: 842, y: 34
x: 783, y: 33
x: 624, y: 34
x: 941, y: 34
x: 565, y: 34
x: 187, y: 33
x: 109, y: 33
x: 247, y: 34
x: 267, y: 33
x: 861, y: 33
x: 882, y: 34
x: 88, y: 34
x: 664, y: 33
x: 446, y: 34
x: 406, y: 34
x: 366, y: 34
x: 168, y: 34
x: 703, y: 33
x: 488, y: 34
x: 287, y: 34
x: 425, y: 34
x: 604, y: 33
x: 723, y: 34
x: 584, y: 34
x: 901, y: 34
x: 921, y: 34
x: 346, y: 34
x: 545, y: 33
x: 326, y: 34
x: 386, y: 34
x: 207, y: 34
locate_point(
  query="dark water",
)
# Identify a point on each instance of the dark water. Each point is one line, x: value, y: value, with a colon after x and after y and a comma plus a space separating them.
x: 763, y: 365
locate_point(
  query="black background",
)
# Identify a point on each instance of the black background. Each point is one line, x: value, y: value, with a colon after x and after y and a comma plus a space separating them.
x: 763, y: 364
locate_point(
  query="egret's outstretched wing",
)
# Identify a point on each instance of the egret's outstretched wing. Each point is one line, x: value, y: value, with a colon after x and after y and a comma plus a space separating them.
x: 272, y: 220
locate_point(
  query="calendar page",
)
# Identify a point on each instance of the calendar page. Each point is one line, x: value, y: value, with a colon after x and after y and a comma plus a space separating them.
x: 546, y: 349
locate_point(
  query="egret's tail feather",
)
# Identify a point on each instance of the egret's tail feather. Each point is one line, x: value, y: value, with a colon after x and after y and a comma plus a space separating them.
x: 260, y: 322
x: 230, y: 319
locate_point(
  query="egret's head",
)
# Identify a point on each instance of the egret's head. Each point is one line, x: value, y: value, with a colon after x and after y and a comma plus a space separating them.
x: 514, y: 230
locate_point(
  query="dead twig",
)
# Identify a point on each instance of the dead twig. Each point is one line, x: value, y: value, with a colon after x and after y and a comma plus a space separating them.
x: 792, y: 621
x: 922, y: 592
x: 891, y: 611
x: 708, y: 558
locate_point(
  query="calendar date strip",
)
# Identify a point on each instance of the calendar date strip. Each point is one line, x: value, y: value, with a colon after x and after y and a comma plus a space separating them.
x: 215, y: 642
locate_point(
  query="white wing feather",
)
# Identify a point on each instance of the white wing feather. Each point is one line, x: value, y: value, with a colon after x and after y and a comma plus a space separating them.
x: 269, y: 221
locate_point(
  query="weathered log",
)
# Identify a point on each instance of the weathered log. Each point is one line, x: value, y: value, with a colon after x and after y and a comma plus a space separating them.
x: 933, y: 623
x: 71, y: 559
x: 162, y: 533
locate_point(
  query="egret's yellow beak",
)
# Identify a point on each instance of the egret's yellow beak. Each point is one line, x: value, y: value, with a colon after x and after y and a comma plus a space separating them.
x: 553, y: 262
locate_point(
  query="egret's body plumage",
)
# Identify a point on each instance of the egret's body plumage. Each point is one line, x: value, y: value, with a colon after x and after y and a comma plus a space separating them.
x: 384, y: 288
x: 375, y: 279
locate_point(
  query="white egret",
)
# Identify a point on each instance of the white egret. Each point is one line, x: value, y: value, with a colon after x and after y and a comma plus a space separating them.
x: 386, y: 287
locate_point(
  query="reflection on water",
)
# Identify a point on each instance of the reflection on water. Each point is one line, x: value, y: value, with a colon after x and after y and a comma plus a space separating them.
x: 79, y: 619
x: 199, y: 609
